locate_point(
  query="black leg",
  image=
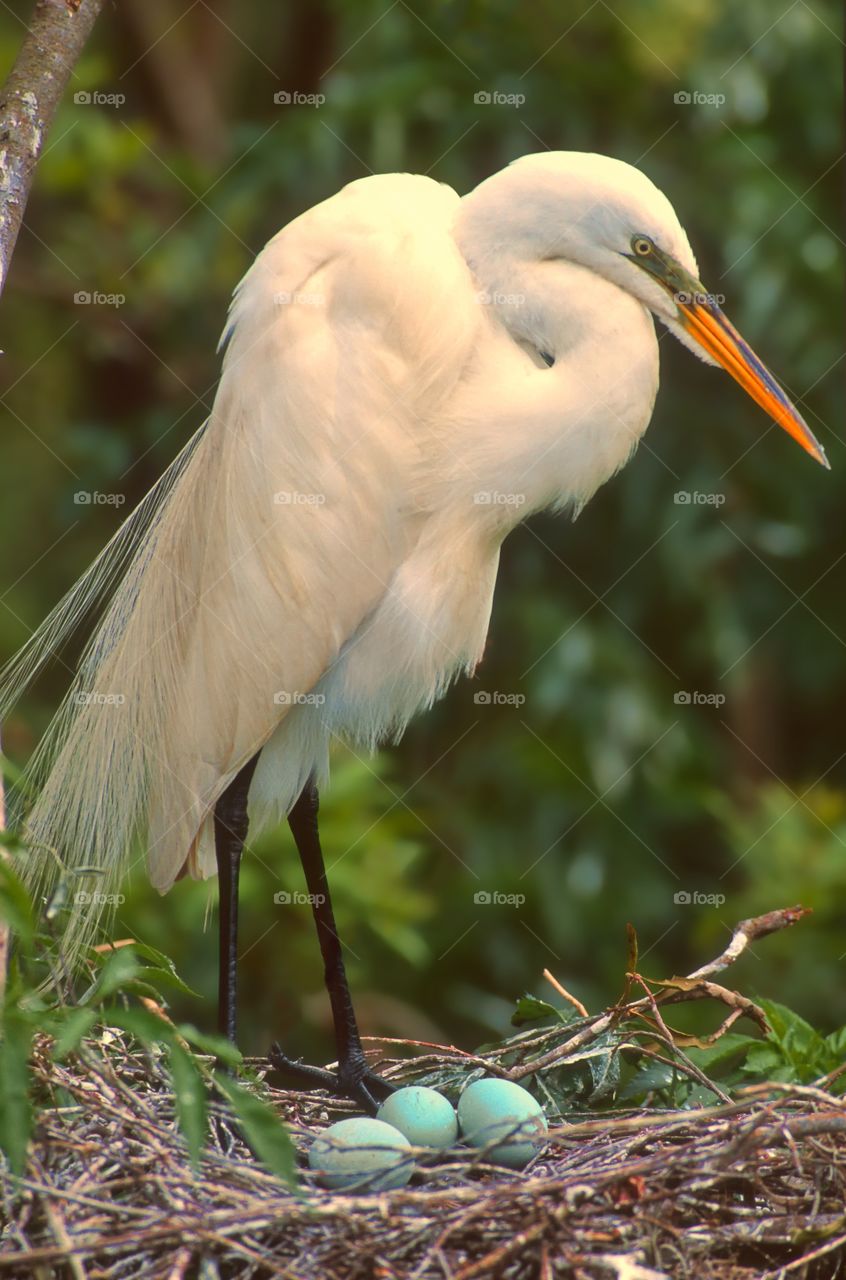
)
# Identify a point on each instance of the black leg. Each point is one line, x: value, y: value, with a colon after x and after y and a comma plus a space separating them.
x: 354, y: 1076
x: 230, y: 832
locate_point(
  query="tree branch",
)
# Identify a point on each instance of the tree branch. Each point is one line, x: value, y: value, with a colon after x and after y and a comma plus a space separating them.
x: 55, y: 39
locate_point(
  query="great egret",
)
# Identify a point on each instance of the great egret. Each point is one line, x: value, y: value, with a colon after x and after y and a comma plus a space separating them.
x: 407, y: 376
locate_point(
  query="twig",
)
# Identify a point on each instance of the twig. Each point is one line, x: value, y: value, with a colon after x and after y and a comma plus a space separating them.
x: 562, y: 991
x: 747, y: 931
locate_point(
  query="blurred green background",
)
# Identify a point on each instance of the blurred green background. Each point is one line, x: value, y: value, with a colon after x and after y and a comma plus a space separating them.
x: 601, y: 797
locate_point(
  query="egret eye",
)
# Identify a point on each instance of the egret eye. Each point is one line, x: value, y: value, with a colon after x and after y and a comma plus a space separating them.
x: 641, y: 245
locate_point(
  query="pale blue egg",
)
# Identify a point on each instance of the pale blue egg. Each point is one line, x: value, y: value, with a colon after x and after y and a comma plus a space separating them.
x: 361, y: 1154
x: 425, y: 1116
x: 492, y: 1109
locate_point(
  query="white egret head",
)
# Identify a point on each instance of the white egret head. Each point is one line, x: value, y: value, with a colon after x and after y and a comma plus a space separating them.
x: 607, y: 216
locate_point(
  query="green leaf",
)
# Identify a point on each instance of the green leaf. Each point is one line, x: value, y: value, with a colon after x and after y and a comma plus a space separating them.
x: 16, y: 904
x: 72, y: 1026
x: 122, y: 970
x: 262, y: 1129
x: 531, y: 1009
x: 11, y: 840
x: 168, y: 977
x: 143, y: 1025
x: 190, y: 1096
x: 605, y: 1075
x: 161, y: 969
x: 836, y: 1043
x: 727, y: 1054
x: 765, y: 1062
x: 216, y: 1045
x: 656, y: 1076
x: 13, y: 773
x: 802, y: 1048
x: 118, y: 969
x: 15, y: 1112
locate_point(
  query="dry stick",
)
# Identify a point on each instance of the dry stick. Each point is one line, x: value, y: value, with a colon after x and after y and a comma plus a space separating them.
x: 55, y: 38
x: 681, y: 1064
x: 684, y: 1064
x: 568, y: 996
x: 60, y: 1231
x: 744, y: 933
x: 748, y: 931
x: 504, y: 1252
x: 798, y: 1263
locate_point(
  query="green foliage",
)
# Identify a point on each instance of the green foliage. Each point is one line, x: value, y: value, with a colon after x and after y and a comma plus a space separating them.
x: 619, y: 1067
x: 600, y: 798
x: 615, y: 1067
x: 16, y: 1033
x: 262, y: 1130
x: 126, y: 983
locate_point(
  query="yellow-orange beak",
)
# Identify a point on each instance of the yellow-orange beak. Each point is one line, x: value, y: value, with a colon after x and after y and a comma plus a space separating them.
x: 705, y: 322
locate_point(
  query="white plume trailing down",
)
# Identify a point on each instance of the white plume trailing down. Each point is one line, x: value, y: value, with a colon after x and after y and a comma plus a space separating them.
x: 407, y: 376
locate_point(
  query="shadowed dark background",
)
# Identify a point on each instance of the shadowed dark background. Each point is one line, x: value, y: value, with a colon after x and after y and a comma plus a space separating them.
x: 660, y: 710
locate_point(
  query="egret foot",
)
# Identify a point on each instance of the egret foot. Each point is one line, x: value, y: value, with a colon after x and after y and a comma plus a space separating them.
x: 353, y: 1079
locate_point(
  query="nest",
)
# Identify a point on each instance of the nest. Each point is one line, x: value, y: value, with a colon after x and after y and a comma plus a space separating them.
x: 747, y: 1189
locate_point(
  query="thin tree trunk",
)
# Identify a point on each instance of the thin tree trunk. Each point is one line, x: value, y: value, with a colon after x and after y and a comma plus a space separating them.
x: 4, y: 928
x: 55, y: 38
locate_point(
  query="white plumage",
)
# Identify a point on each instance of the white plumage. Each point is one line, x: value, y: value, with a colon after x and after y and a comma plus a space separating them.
x: 407, y: 376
